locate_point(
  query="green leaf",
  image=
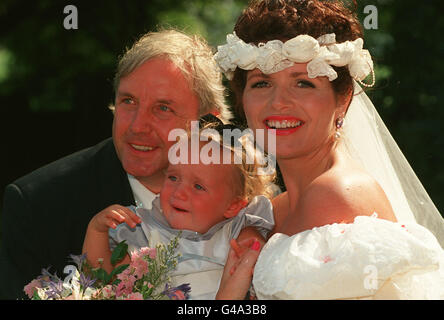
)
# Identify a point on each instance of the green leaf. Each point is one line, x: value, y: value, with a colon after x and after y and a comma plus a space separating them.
x: 118, y: 270
x: 119, y: 252
x: 36, y: 296
x: 102, y: 275
x: 116, y: 282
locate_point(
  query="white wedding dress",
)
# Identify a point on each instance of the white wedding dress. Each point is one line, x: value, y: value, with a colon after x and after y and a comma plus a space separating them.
x: 370, y: 258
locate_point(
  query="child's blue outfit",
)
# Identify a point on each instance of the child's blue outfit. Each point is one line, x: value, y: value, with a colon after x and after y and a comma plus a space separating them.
x: 202, y: 256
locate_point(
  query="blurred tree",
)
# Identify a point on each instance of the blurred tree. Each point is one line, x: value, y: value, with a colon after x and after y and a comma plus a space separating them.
x: 409, y: 90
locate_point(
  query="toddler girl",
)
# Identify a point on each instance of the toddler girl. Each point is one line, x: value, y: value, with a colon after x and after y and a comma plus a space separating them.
x: 207, y: 205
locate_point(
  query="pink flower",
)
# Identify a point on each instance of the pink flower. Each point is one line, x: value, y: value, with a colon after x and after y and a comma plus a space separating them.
x: 124, y: 288
x: 140, y: 267
x: 126, y: 284
x: 146, y: 251
x: 134, y: 296
x: 30, y: 288
x: 108, y: 291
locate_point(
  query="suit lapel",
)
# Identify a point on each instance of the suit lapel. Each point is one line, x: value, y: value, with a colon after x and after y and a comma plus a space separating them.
x: 113, y: 184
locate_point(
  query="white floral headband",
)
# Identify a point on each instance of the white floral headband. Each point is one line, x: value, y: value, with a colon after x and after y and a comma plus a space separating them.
x: 274, y: 56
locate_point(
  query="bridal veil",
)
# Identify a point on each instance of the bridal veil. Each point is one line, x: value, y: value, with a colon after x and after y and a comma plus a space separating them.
x: 369, y: 141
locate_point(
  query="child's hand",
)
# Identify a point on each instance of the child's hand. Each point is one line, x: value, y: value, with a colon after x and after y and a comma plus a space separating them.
x: 113, y: 216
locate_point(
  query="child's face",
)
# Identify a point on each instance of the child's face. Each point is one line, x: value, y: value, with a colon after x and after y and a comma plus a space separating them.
x: 197, y: 196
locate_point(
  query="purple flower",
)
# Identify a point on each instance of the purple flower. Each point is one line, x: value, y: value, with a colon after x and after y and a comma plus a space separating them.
x: 181, y: 292
x: 55, y: 289
x: 46, y: 277
x: 78, y: 259
x: 86, y: 281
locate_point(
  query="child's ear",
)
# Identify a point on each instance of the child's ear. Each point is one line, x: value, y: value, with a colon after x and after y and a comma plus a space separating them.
x: 235, y: 207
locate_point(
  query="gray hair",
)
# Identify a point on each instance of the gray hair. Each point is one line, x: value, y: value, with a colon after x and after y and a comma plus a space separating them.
x: 192, y: 55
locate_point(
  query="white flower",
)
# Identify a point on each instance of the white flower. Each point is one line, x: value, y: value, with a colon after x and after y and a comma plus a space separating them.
x: 319, y: 68
x: 223, y: 58
x: 244, y: 56
x: 326, y: 39
x: 344, y: 53
x: 270, y: 58
x: 361, y: 65
x: 41, y: 292
x: 235, y: 53
x: 301, y: 49
x: 274, y: 56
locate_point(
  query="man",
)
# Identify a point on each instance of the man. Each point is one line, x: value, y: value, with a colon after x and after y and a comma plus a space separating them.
x: 165, y: 80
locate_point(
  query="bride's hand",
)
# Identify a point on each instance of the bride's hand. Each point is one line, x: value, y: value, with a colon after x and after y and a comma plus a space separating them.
x: 238, y: 271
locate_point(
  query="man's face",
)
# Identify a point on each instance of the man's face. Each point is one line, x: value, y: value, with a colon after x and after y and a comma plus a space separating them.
x: 150, y: 102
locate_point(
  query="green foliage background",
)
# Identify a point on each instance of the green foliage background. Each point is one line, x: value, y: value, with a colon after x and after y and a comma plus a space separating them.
x: 56, y: 84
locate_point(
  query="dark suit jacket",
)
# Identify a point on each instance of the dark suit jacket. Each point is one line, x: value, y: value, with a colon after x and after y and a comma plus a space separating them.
x: 46, y: 213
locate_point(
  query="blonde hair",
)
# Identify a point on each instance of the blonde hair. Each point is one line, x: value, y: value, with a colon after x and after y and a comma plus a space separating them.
x: 192, y: 55
x: 250, y: 182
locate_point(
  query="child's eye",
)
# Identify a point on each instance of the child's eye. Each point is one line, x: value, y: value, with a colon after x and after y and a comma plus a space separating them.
x: 305, y: 84
x: 260, y: 84
x: 172, y: 178
x: 199, y: 187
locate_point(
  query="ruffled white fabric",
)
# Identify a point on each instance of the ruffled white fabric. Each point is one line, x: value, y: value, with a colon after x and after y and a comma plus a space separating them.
x: 274, y: 56
x: 368, y: 259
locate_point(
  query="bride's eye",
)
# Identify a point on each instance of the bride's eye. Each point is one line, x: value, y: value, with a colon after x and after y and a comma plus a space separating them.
x: 305, y: 84
x: 260, y: 84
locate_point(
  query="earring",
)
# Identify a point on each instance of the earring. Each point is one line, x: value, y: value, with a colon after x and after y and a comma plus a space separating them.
x: 338, y: 123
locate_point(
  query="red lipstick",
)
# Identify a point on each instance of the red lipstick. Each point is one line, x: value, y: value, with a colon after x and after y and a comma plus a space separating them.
x: 283, y: 125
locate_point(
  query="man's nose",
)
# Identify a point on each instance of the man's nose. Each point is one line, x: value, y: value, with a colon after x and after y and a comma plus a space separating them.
x: 142, y: 120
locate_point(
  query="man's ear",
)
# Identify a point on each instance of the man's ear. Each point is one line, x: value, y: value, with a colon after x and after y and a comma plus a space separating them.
x: 235, y: 207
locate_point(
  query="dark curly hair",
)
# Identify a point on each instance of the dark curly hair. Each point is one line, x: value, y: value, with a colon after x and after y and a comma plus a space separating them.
x: 267, y: 20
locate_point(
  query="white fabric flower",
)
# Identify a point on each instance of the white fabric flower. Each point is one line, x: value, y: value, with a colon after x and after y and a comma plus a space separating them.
x: 319, y: 68
x: 227, y: 56
x: 274, y: 56
x: 269, y: 56
x: 246, y: 56
x: 361, y: 65
x: 326, y: 39
x: 344, y: 53
x: 301, y: 49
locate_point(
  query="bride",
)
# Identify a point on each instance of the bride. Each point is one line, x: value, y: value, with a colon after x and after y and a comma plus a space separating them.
x: 355, y: 222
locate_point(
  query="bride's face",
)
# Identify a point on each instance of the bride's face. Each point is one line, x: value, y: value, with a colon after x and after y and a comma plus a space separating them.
x: 301, y: 109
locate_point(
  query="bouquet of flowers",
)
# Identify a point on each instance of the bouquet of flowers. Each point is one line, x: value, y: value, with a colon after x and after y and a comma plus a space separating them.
x: 145, y: 278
